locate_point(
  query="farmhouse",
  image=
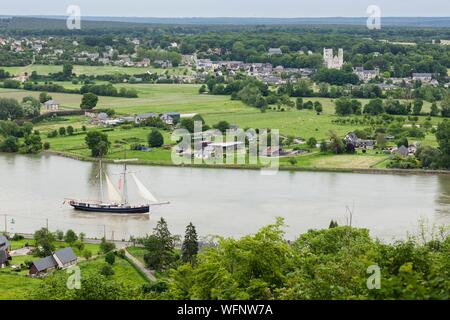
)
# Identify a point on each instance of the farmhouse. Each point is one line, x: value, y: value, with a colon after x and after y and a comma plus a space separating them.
x: 402, y: 151
x: 351, y: 138
x: 51, y: 105
x: 4, y: 255
x: 142, y: 117
x: 424, y: 77
x: 61, y: 259
x: 4, y: 243
x: 275, y: 51
x: 170, y: 118
x: 366, y: 75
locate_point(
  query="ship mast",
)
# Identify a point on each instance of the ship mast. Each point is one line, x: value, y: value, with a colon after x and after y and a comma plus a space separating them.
x: 100, y: 177
x: 124, y: 174
x: 125, y: 187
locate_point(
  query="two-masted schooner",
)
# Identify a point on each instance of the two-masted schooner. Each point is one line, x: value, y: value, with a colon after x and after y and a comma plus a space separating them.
x: 117, y: 202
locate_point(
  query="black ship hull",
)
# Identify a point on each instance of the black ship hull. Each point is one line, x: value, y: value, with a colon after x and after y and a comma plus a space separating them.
x: 110, y: 208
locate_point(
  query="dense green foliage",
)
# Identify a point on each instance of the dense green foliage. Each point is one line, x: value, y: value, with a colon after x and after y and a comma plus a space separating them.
x: 98, y: 143
x: 325, y: 264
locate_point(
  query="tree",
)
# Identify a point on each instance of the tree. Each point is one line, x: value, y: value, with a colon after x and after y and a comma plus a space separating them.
x: 31, y: 107
x: 434, y: 110
x: 10, y: 144
x: 67, y: 71
x: 312, y: 142
x: 89, y: 101
x: 443, y: 138
x: 299, y: 103
x: 44, y: 242
x: 222, y: 126
x: 155, y: 139
x: 374, y: 107
x: 318, y: 107
x: 44, y: 97
x: 32, y: 145
x: 107, y: 270
x: 98, y: 143
x: 189, y: 248
x: 381, y: 140
x: 70, y: 130
x: 159, y: 246
x: 70, y: 237
x: 336, y: 144
x: 10, y: 109
x: 417, y: 107
x: 110, y: 258
x: 345, y: 106
x: 187, y: 124
x: 106, y: 246
x: 402, y: 141
x: 333, y: 224
x: 87, y: 254
x: 323, y: 146
x: 62, y: 131
x: 59, y: 235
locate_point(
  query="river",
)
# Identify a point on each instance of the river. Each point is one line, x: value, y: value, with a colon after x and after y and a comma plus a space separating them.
x: 219, y: 201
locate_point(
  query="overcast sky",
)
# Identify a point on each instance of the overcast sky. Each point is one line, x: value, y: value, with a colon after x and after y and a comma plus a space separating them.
x: 228, y: 8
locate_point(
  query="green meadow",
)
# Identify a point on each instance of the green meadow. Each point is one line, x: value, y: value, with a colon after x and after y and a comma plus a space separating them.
x: 159, y: 98
x: 93, y: 70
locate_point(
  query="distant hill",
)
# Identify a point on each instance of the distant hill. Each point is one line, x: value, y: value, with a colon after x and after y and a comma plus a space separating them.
x: 357, y: 21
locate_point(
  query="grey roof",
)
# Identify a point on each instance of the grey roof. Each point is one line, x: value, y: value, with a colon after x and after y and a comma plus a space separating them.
x: 45, y: 263
x: 51, y: 102
x: 4, y: 244
x: 403, y: 151
x: 146, y: 115
x: 65, y: 255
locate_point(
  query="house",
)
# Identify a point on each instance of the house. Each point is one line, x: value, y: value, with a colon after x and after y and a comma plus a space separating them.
x: 163, y: 64
x: 51, y: 105
x: 271, y: 152
x: 170, y: 118
x: 4, y: 243
x: 65, y: 258
x: 402, y: 151
x: 22, y: 78
x: 423, y: 77
x: 61, y: 259
x: 43, y: 265
x: 352, y: 138
x: 275, y: 51
x: 142, y: 117
x: 366, y: 75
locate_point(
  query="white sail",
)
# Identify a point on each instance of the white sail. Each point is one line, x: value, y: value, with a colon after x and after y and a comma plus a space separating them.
x: 143, y: 191
x: 113, y: 194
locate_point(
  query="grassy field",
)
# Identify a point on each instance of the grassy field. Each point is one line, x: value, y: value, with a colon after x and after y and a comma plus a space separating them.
x: 93, y: 70
x: 185, y: 99
x: 137, y: 252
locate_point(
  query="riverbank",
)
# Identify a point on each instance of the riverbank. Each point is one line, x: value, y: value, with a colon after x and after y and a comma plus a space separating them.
x: 256, y: 167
